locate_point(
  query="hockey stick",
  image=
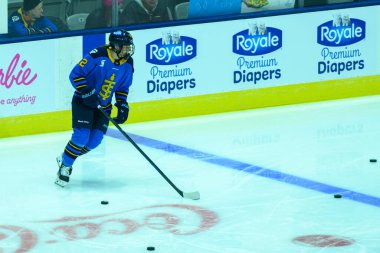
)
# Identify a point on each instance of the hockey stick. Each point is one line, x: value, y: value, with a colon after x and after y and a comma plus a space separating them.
x: 188, y: 195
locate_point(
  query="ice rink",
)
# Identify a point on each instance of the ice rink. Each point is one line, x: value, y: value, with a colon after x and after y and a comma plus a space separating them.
x: 267, y: 179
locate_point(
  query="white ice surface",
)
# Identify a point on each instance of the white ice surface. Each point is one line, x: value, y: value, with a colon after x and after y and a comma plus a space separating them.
x: 328, y: 143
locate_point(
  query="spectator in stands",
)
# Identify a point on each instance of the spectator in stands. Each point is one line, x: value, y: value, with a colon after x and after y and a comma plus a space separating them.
x: 102, y: 17
x: 29, y: 20
x: 144, y: 11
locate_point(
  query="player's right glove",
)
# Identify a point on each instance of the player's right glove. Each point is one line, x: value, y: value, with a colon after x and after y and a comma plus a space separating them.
x: 122, y: 112
x: 90, y: 99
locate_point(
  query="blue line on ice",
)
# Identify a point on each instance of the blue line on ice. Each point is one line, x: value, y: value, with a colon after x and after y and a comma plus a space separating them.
x: 248, y: 168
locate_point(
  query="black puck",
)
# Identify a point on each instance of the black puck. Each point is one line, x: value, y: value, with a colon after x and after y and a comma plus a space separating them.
x: 104, y: 202
x: 373, y: 160
x: 337, y: 196
x: 150, y: 248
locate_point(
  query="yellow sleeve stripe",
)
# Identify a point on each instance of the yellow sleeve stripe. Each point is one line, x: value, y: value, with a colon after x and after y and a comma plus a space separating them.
x: 121, y: 93
x: 81, y: 86
x: 78, y: 79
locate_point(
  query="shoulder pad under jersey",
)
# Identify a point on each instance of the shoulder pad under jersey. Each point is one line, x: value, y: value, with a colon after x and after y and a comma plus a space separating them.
x: 99, y: 52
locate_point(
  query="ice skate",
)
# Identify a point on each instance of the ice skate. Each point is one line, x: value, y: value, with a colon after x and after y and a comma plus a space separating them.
x: 63, y: 174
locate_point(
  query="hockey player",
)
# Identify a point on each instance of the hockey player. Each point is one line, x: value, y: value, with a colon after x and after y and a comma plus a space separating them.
x: 105, y: 72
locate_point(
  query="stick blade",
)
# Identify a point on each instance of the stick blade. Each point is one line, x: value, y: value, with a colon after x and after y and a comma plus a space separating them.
x: 192, y: 195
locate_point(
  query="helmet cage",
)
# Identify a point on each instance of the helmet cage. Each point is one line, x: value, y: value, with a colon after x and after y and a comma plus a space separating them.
x: 121, y: 38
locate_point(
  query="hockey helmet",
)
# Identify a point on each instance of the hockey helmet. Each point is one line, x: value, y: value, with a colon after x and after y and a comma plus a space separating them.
x: 121, y: 37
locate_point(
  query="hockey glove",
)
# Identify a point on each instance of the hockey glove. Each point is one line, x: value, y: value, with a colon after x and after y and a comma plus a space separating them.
x: 90, y: 99
x: 122, y: 113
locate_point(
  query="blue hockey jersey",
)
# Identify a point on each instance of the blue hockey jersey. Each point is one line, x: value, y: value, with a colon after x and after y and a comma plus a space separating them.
x: 17, y: 26
x: 98, y: 70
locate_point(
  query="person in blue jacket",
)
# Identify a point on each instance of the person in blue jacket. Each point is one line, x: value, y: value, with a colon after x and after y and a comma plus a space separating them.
x: 104, y: 73
x: 29, y: 20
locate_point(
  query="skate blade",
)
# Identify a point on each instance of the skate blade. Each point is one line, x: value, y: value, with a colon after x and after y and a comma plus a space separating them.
x: 60, y: 182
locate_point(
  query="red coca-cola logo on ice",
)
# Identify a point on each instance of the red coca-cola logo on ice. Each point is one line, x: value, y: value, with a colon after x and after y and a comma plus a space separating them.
x: 175, y: 219
x: 17, y: 73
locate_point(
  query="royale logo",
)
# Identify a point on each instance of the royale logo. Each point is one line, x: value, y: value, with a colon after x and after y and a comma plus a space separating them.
x: 171, y: 49
x: 257, y: 40
x: 341, y: 31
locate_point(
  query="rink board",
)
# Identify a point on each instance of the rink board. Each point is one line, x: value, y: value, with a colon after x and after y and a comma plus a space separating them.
x: 206, y: 104
x: 202, y: 68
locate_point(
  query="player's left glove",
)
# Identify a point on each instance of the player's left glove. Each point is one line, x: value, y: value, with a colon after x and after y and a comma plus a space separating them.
x: 122, y: 113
